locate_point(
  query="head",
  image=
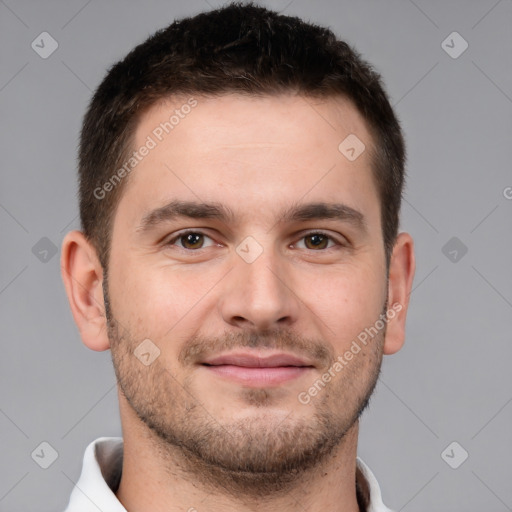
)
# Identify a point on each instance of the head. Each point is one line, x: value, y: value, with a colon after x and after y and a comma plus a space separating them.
x: 220, y: 194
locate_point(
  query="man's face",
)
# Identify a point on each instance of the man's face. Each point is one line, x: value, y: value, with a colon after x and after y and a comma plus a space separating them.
x: 258, y: 280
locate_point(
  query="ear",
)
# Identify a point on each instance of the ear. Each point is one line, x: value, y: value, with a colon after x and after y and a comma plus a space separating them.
x: 401, y: 274
x: 83, y: 278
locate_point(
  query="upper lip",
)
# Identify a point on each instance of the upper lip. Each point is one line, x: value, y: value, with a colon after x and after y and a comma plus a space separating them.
x: 252, y: 360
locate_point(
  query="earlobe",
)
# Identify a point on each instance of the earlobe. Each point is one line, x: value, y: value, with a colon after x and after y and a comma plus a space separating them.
x: 401, y: 274
x: 83, y: 277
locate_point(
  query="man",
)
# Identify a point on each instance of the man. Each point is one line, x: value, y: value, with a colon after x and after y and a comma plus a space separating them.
x: 240, y: 182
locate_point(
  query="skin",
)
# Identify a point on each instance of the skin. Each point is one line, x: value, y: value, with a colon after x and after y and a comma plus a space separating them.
x: 193, y: 439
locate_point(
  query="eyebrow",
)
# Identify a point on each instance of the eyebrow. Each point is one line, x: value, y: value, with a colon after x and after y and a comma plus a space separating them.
x: 298, y: 212
x: 190, y: 209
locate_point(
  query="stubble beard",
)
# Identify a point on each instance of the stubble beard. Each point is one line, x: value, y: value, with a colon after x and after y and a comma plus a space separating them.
x: 261, y: 455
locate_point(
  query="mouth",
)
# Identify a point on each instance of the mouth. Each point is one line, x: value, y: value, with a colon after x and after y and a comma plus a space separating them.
x: 258, y: 370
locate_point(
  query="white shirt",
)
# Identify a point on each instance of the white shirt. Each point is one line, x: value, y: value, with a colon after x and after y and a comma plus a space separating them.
x: 101, y: 473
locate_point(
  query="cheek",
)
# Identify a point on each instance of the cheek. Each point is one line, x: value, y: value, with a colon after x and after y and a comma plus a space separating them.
x: 347, y: 301
x: 161, y: 302
x: 147, y: 300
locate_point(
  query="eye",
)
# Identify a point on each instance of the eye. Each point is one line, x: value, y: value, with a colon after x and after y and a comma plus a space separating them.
x: 195, y: 240
x: 190, y: 240
x: 318, y: 241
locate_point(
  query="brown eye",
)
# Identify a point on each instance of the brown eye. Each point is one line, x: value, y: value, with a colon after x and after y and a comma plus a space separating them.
x: 191, y: 240
x: 319, y: 241
x: 316, y: 241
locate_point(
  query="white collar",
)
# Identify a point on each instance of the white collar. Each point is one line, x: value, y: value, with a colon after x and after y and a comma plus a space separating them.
x: 101, y: 471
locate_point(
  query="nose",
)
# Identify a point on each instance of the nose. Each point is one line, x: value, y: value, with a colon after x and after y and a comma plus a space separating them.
x: 259, y: 295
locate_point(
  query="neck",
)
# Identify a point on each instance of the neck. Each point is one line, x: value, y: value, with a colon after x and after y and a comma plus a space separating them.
x: 159, y: 477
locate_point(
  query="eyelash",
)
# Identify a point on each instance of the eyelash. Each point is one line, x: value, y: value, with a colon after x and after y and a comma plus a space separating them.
x: 199, y: 232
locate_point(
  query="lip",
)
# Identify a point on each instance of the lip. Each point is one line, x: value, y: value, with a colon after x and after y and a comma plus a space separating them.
x: 257, y: 360
x: 257, y: 370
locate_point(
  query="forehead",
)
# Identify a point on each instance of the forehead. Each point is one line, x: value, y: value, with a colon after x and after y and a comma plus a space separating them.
x: 251, y: 121
x: 269, y: 149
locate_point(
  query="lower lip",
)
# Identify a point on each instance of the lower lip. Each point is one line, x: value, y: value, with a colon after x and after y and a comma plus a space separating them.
x: 259, y: 376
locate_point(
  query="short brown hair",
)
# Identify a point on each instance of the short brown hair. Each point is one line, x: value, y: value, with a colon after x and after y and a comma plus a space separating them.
x: 240, y: 48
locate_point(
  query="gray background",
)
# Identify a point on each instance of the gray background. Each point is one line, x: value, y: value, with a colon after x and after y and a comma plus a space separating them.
x: 452, y: 380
